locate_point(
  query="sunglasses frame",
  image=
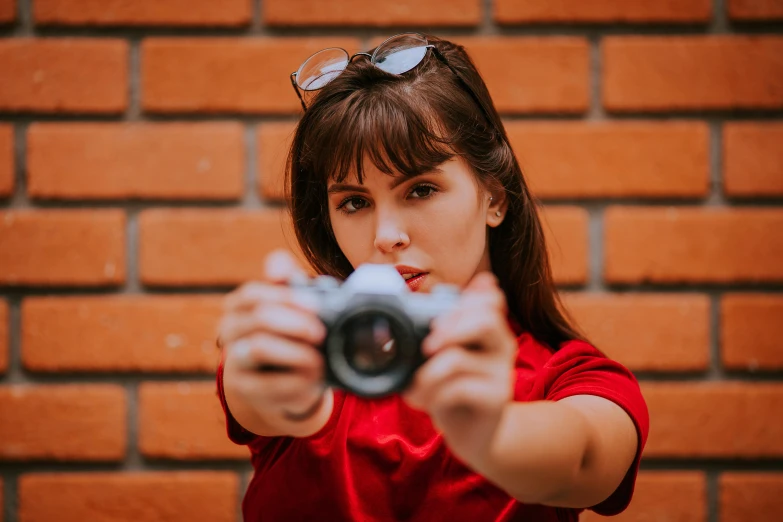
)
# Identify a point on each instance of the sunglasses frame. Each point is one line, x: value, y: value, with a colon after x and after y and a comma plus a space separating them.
x: 427, y: 45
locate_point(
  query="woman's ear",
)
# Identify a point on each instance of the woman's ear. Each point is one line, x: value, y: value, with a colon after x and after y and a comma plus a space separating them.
x: 497, y: 207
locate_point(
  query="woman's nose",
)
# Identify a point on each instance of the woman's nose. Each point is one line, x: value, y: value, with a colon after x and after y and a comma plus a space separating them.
x: 389, y: 236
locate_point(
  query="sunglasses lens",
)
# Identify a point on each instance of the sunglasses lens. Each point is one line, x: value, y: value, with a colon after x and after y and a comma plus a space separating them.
x: 400, y: 54
x: 321, y: 68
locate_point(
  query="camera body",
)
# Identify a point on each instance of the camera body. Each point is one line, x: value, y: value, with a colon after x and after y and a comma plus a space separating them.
x: 375, y: 326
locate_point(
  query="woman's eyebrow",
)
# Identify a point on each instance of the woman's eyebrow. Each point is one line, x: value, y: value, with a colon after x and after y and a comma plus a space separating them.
x: 399, y: 180
x: 396, y: 182
x: 342, y: 187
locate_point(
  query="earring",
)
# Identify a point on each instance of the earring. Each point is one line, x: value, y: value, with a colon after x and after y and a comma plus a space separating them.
x: 497, y: 212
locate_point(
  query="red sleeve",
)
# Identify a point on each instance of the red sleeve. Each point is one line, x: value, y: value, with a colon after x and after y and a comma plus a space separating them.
x: 236, y: 433
x: 580, y: 369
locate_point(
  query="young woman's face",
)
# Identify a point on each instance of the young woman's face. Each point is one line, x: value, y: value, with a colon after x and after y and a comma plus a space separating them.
x: 433, y: 227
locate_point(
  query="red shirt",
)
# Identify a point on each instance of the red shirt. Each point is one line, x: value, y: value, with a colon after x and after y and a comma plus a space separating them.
x: 380, y: 460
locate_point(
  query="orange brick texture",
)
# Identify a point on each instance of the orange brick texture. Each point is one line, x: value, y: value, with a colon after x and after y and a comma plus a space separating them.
x: 64, y: 75
x: 142, y: 153
x: 184, y: 13
x: 102, y: 161
x: 7, y: 11
x: 130, y: 496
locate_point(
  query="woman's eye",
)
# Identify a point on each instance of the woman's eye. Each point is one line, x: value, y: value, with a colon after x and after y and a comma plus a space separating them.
x: 423, y: 191
x: 351, y: 205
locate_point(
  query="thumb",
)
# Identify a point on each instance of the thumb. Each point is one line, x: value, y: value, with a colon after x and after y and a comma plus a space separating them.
x: 281, y: 266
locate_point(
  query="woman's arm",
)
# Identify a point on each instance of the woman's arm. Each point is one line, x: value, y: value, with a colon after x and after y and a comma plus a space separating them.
x: 569, y: 453
x: 267, y: 423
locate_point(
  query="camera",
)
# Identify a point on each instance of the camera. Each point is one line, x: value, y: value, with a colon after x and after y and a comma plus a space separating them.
x: 375, y: 326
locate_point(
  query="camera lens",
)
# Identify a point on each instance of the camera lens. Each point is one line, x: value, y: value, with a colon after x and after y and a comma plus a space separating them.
x: 372, y: 348
x: 371, y: 345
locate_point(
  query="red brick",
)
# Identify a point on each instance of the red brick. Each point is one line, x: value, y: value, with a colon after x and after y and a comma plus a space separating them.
x: 59, y: 75
x: 549, y: 75
x: 372, y: 13
x: 6, y: 160
x: 208, y: 247
x: 274, y: 141
x: 714, y: 419
x: 751, y: 330
x: 184, y: 421
x: 647, y: 332
x: 565, y: 230
x: 4, y: 333
x: 62, y: 247
x: 145, y: 333
x: 692, y: 73
x: 753, y: 159
x: 602, y: 11
x: 626, y: 159
x: 146, y: 160
x: 63, y: 422
x: 758, y: 10
x: 670, y: 496
x: 749, y: 497
x: 680, y: 244
x: 229, y: 13
x: 7, y: 14
x: 129, y: 496
x: 249, y: 75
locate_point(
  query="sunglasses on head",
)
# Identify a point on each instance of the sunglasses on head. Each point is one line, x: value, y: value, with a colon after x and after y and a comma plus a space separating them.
x: 396, y: 55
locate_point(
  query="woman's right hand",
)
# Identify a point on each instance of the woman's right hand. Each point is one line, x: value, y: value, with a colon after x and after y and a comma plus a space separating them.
x: 272, y: 367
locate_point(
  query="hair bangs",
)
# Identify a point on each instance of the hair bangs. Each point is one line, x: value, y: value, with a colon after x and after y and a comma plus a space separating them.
x: 399, y: 135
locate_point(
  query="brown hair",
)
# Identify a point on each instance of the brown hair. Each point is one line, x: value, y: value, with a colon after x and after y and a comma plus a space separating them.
x: 407, y: 124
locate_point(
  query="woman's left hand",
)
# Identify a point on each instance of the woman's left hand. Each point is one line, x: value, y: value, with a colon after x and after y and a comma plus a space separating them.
x: 468, y: 378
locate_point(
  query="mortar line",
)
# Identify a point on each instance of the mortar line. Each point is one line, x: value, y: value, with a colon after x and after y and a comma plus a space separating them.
x: 713, y: 494
x: 250, y: 196
x: 10, y: 496
x: 133, y: 460
x: 24, y: 25
x: 133, y: 111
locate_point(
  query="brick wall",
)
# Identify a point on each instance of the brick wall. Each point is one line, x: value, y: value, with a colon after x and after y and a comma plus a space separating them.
x: 141, y: 148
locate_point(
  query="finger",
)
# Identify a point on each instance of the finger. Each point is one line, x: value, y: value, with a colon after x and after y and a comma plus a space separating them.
x: 469, y: 305
x: 467, y: 394
x: 281, y: 389
x: 262, y: 352
x: 474, y: 391
x: 251, y: 295
x: 280, y: 267
x: 282, y: 321
x: 483, y: 329
x: 451, y: 362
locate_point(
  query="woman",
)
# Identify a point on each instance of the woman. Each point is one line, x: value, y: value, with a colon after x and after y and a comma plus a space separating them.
x: 401, y: 158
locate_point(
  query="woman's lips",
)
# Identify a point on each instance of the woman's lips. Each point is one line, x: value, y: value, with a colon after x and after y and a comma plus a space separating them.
x: 415, y: 282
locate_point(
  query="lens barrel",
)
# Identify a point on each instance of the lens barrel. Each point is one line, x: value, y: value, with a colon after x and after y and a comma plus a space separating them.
x: 372, y: 348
